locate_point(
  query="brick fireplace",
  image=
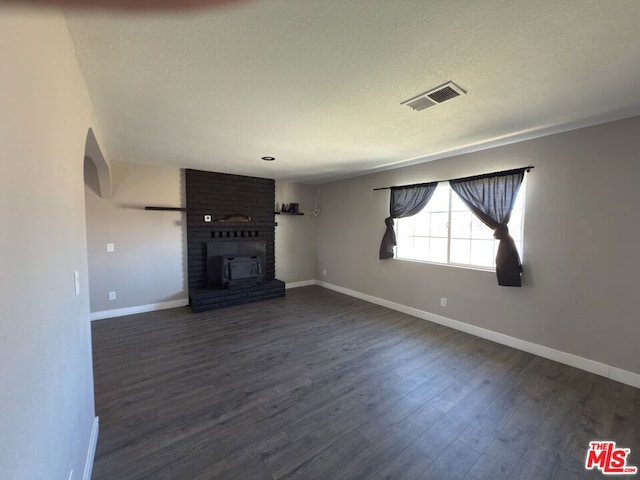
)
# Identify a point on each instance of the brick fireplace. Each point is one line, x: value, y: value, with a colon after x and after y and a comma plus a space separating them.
x: 230, y: 230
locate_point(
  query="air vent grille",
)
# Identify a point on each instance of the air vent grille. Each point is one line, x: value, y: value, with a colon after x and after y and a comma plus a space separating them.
x: 421, y: 103
x: 444, y: 94
x: 435, y: 96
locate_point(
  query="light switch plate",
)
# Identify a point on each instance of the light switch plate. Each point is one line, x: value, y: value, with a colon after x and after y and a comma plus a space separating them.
x: 111, y: 247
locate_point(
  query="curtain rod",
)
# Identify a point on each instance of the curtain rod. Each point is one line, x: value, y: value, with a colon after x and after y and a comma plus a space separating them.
x: 484, y: 175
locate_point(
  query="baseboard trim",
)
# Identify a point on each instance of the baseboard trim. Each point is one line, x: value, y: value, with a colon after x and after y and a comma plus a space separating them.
x: 303, y: 283
x: 91, y: 451
x: 121, y: 312
x: 592, y: 366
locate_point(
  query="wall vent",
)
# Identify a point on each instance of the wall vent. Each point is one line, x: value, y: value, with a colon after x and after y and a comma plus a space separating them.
x: 435, y: 96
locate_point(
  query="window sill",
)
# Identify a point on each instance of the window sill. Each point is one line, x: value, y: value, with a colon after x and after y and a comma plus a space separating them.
x: 450, y: 265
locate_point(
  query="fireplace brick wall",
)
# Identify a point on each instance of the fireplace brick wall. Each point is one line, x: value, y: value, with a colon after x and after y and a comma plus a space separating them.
x: 219, y: 195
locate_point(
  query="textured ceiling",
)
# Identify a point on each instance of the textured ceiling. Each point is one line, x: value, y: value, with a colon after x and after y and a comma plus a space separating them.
x: 318, y: 84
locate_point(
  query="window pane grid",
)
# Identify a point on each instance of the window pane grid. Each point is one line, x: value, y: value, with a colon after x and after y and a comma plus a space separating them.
x: 426, y: 236
x: 447, y: 232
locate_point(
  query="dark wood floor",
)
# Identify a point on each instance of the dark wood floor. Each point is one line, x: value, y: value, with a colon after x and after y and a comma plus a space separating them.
x: 319, y: 385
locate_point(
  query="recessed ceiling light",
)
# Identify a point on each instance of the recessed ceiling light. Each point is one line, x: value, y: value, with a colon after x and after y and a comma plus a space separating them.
x: 268, y: 159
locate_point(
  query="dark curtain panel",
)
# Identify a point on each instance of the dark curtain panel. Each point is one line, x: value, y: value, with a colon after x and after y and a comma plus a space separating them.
x: 491, y: 198
x: 405, y: 202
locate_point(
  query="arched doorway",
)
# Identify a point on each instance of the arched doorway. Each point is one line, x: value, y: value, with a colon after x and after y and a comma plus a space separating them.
x: 97, y: 184
x: 97, y: 174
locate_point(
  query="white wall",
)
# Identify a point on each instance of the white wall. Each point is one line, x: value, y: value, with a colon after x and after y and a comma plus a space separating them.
x: 581, y: 262
x: 148, y: 266
x: 295, y: 235
x: 46, y: 383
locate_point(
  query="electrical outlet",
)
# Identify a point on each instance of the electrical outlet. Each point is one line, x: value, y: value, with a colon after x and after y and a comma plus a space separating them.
x: 443, y: 302
x: 111, y: 247
x: 324, y: 273
x: 112, y: 295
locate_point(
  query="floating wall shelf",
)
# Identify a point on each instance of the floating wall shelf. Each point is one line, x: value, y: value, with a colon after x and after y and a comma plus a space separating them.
x: 167, y: 209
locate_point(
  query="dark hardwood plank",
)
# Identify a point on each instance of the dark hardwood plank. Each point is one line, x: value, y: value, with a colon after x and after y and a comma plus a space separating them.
x: 453, y: 464
x: 321, y: 385
x: 406, y: 466
x: 323, y: 462
x: 502, y: 456
x: 376, y: 456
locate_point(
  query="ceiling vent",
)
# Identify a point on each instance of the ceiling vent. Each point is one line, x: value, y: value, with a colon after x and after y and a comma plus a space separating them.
x: 434, y: 96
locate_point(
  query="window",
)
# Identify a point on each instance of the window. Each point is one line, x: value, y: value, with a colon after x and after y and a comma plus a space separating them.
x: 446, y: 231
